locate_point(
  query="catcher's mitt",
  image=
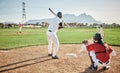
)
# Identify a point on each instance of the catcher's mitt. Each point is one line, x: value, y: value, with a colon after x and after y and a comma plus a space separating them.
x: 60, y: 25
x: 85, y: 42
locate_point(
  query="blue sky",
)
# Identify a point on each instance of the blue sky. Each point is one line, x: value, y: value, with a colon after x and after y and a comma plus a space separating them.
x: 107, y: 11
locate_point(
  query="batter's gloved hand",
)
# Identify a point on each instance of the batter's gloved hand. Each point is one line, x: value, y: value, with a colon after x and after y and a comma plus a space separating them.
x: 60, y: 25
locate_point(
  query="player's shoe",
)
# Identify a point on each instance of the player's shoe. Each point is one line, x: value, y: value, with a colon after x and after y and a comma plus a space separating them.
x: 106, y: 67
x: 55, y: 57
x: 92, y: 67
x: 49, y: 54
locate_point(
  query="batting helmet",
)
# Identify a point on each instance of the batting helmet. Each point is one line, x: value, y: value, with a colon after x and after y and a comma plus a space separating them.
x: 59, y: 14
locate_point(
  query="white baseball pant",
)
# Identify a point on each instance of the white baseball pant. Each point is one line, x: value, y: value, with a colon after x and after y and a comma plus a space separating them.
x: 52, y: 38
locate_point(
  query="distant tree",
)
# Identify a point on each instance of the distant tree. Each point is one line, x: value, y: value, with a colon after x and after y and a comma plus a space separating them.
x: 37, y: 24
x: 86, y: 24
x: 95, y: 24
x: 43, y: 24
x: 114, y: 24
x: 1, y: 25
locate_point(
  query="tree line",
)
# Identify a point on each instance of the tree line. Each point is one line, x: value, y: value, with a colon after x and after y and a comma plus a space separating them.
x: 74, y: 24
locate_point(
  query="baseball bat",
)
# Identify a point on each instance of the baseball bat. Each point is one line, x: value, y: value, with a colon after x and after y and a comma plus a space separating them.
x: 56, y: 15
x: 52, y: 12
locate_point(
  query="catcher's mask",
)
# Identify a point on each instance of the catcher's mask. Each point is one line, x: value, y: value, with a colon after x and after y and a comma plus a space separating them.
x: 59, y: 14
x: 97, y: 36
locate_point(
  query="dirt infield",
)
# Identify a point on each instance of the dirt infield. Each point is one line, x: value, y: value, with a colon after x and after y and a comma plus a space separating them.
x: 35, y: 60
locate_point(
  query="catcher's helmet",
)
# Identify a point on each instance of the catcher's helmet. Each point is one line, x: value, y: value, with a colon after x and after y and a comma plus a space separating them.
x: 59, y: 14
x: 97, y: 36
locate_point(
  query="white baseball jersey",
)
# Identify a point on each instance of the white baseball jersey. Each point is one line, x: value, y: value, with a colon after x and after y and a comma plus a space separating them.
x: 54, y: 24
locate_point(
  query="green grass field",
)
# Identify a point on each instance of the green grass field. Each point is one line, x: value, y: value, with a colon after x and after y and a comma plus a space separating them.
x: 10, y: 38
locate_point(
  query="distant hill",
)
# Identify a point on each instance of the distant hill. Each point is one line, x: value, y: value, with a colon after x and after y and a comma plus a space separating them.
x: 69, y: 18
x: 9, y: 23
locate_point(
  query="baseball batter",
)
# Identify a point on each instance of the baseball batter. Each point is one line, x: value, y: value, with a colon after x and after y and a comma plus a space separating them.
x: 52, y: 37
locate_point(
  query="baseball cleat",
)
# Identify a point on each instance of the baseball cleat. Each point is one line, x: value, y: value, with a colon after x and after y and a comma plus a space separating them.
x: 106, y: 67
x: 49, y: 54
x: 56, y: 57
x: 93, y: 67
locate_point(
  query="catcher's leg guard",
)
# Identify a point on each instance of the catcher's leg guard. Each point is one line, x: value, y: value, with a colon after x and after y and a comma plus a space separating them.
x: 93, y: 66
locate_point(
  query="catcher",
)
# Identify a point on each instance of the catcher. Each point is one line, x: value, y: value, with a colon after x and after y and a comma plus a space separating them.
x: 100, y: 53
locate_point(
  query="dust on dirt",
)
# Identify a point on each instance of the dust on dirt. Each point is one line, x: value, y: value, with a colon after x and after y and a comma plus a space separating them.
x: 34, y: 59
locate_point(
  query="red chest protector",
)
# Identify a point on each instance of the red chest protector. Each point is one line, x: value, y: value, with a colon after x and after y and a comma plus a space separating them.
x: 102, y: 53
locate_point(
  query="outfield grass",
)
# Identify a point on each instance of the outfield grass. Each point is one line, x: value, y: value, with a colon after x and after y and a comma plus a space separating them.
x: 10, y: 38
x: 112, y: 36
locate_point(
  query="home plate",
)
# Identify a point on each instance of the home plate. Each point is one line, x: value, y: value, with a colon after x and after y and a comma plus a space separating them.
x: 72, y: 54
x: 4, y: 51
